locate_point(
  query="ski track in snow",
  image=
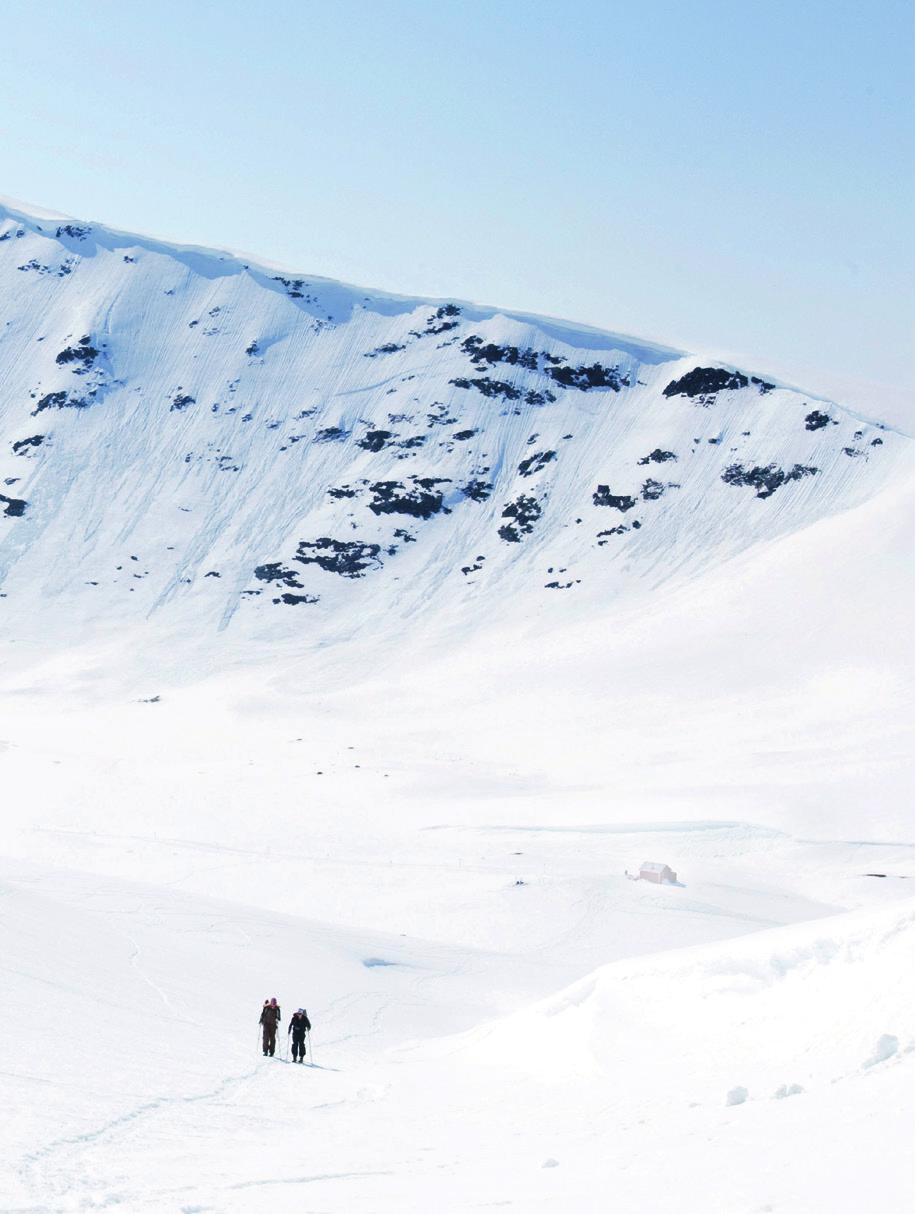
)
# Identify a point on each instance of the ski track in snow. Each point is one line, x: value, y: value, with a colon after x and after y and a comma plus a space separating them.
x: 135, y: 962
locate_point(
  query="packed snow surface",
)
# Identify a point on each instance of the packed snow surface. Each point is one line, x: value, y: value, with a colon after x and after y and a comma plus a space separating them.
x: 354, y: 650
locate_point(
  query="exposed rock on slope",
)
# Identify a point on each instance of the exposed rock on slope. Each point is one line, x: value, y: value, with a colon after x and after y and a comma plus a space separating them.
x: 211, y: 415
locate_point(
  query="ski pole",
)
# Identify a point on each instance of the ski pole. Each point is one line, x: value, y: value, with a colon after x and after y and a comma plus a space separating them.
x: 311, y: 1051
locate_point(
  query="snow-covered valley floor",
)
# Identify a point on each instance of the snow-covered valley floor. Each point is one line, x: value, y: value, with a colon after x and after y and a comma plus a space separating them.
x: 761, y: 1071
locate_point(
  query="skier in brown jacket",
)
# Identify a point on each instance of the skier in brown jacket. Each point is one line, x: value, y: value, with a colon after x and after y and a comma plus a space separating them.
x: 270, y: 1018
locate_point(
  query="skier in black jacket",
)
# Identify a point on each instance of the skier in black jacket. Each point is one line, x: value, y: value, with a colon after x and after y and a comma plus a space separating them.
x: 299, y: 1025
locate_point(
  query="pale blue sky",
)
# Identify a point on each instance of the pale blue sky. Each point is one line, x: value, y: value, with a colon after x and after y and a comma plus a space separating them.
x: 732, y: 177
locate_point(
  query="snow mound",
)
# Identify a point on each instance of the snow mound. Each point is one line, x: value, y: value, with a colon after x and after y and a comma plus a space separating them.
x: 782, y: 1012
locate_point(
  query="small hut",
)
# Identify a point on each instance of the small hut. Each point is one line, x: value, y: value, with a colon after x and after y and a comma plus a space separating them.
x: 652, y: 870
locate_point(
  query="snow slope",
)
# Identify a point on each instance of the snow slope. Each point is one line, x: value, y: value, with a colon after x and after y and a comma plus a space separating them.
x: 410, y: 804
x: 195, y: 443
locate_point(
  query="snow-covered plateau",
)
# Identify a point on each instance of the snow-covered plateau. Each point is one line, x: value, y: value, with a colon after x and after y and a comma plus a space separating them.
x: 357, y: 650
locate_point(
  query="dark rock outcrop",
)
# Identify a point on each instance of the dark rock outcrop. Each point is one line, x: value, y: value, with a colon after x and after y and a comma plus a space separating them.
x: 619, y: 501
x: 524, y: 512
x: 765, y: 480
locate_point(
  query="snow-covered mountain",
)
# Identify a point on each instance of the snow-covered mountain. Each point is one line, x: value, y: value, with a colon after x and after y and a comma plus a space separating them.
x: 355, y: 649
x: 196, y: 441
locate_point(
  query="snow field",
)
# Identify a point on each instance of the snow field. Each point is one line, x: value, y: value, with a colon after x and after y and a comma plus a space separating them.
x: 410, y: 806
x: 146, y: 1049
